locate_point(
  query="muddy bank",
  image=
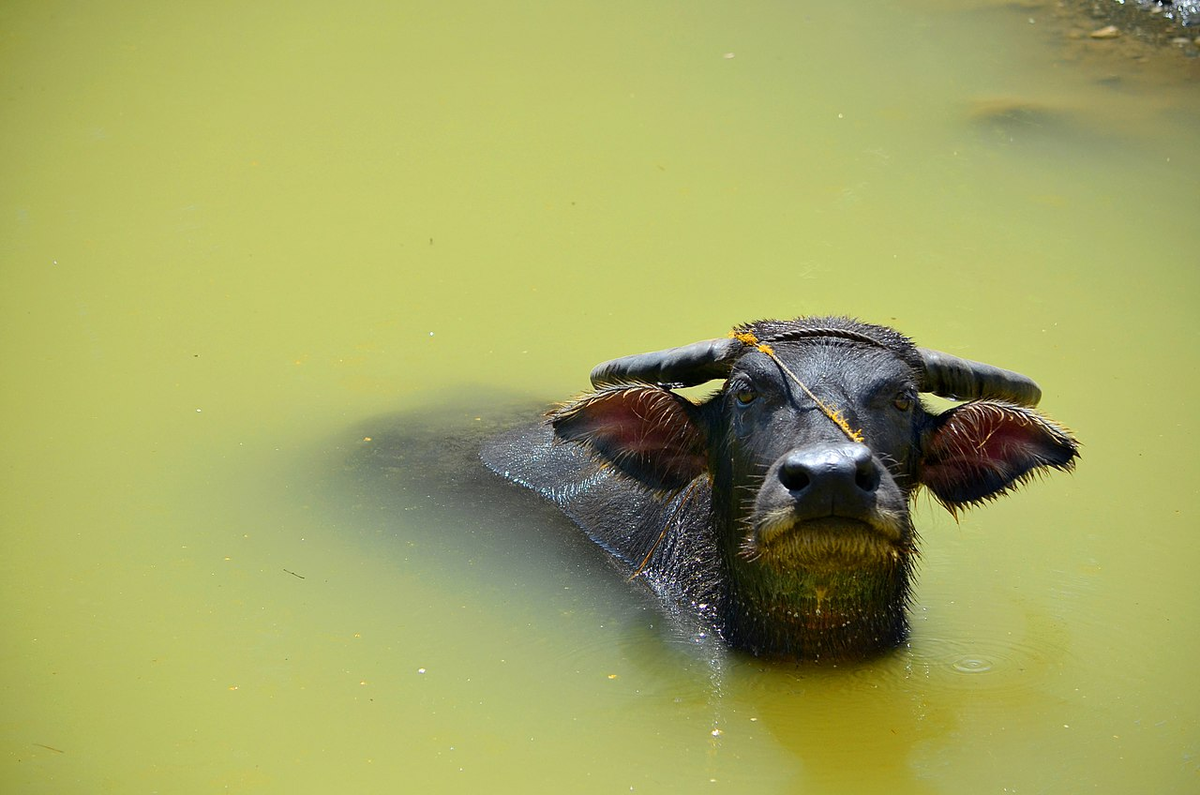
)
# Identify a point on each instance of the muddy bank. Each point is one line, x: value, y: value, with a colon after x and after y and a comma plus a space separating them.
x: 1125, y: 43
x: 1174, y: 25
x: 1173, y: 15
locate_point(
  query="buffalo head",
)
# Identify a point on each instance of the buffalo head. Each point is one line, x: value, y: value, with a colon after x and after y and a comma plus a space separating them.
x: 813, y: 449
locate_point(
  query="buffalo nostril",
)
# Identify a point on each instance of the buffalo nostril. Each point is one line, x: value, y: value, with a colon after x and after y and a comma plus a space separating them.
x: 866, y: 474
x: 795, y: 474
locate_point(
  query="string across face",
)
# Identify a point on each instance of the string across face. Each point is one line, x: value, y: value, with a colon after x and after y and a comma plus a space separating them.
x: 838, y: 419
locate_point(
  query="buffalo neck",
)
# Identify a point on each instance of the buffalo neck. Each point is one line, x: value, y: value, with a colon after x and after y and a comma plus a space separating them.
x: 847, y: 613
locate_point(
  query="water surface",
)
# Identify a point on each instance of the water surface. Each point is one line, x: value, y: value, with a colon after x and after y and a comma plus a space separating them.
x: 233, y: 238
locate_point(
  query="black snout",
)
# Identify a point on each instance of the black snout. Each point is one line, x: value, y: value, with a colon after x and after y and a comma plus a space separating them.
x: 846, y: 472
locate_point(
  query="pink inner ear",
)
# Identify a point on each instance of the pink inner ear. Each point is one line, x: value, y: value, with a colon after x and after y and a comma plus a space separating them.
x: 982, y: 449
x: 637, y: 421
x: 646, y: 432
x: 1019, y: 436
x: 994, y: 444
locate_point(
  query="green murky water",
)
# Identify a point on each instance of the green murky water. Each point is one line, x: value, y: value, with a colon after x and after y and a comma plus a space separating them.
x: 230, y: 235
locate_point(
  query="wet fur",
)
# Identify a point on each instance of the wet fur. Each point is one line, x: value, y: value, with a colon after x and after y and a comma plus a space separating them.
x: 669, y: 498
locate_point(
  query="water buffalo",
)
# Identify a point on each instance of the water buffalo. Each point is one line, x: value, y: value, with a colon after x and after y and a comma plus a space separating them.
x: 777, y: 510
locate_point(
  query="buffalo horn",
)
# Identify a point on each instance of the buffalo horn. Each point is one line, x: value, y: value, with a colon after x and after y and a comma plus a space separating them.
x: 952, y: 377
x: 688, y: 365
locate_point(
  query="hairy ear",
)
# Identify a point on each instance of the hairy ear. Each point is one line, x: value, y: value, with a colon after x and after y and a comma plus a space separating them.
x: 646, y: 433
x: 983, y: 449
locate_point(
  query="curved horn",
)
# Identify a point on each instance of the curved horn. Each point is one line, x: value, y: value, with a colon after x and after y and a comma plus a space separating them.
x: 688, y: 365
x: 952, y: 377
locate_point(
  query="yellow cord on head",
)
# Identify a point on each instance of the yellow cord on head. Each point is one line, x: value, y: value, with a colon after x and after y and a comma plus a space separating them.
x: 747, y: 338
x: 744, y: 337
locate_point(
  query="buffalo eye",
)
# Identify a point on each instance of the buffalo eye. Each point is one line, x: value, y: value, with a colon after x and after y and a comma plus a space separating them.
x: 745, y: 394
x: 904, y: 400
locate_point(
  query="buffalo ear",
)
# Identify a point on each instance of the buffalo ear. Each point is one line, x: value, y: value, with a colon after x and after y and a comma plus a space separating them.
x: 983, y: 449
x: 647, y: 433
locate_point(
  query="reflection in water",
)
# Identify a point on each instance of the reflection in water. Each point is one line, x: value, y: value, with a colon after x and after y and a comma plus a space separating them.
x: 898, y: 710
